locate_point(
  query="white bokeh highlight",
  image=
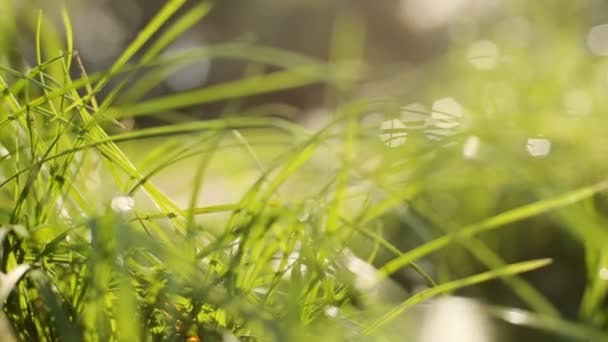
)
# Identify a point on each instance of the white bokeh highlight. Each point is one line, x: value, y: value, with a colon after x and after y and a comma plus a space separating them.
x: 122, y: 204
x: 391, y: 138
x: 4, y: 153
x: 483, y: 54
x: 446, y: 113
x: 332, y: 311
x: 365, y: 273
x: 415, y: 115
x: 456, y: 320
x: 538, y: 147
x: 470, y: 148
x: 515, y: 316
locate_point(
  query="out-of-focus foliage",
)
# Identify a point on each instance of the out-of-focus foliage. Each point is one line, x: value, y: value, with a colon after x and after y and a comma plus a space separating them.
x: 269, y: 222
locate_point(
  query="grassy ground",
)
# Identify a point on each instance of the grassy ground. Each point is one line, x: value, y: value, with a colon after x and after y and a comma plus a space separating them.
x: 251, y: 227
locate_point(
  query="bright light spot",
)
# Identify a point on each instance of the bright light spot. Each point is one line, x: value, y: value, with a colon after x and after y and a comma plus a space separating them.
x: 597, y: 40
x: 578, y: 102
x: 446, y: 113
x: 260, y: 290
x: 415, y: 115
x: 428, y: 15
x: 365, y: 273
x: 332, y: 311
x: 190, y: 75
x: 235, y: 245
x: 288, y: 267
x: 64, y: 214
x: 470, y: 149
x: 393, y: 139
x: 4, y: 153
x: 515, y: 316
x: 447, y: 107
x: 538, y: 147
x: 122, y: 204
x: 483, y: 54
x: 603, y: 273
x: 456, y: 320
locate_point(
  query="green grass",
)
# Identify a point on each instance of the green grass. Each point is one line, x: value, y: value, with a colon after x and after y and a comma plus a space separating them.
x: 247, y: 225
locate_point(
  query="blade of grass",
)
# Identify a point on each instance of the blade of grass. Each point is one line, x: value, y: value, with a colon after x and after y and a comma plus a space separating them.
x: 532, y: 297
x: 508, y: 270
x: 161, y: 17
x: 255, y: 85
x: 192, y: 16
x: 494, y: 222
x: 549, y: 324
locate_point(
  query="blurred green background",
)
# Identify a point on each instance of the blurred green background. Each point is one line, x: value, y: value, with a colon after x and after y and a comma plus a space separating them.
x: 503, y: 103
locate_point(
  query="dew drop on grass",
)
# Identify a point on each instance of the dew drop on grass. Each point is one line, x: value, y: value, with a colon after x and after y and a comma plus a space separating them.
x: 603, y: 273
x: 483, y: 55
x: 122, y: 204
x: 470, y: 149
x: 390, y: 137
x: 538, y: 147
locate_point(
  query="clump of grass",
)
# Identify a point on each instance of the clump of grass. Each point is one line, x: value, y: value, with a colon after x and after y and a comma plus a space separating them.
x: 122, y: 260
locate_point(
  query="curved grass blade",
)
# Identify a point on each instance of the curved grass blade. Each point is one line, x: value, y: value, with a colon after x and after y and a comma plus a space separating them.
x: 508, y: 270
x: 255, y: 85
x: 494, y: 222
x: 549, y: 324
